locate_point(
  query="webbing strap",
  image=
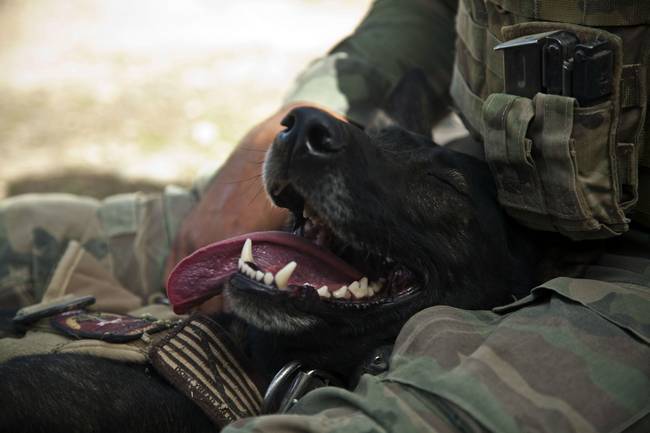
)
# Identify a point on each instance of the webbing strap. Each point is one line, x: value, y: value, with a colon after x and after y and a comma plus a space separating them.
x: 584, y: 12
x: 506, y: 119
x: 632, y: 78
x: 202, y: 362
x: 466, y: 101
x: 479, y: 41
x: 551, y: 141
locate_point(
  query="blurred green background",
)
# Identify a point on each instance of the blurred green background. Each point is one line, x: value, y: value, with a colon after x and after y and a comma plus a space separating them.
x: 103, y: 96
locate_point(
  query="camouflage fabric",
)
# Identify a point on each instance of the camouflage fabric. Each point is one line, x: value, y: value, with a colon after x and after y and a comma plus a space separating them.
x: 586, y: 157
x: 584, y: 12
x: 54, y: 244
x: 358, y: 74
x: 606, y: 143
x: 574, y: 356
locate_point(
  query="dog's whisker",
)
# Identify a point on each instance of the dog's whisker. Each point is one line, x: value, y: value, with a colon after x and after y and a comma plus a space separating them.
x: 259, y: 191
x: 248, y: 179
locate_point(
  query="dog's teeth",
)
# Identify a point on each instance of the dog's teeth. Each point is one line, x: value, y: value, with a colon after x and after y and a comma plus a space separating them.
x: 324, y: 292
x: 249, y: 271
x: 240, y: 264
x: 247, y: 251
x: 282, y: 276
x: 389, y: 260
x: 268, y: 278
x: 357, y: 291
x: 375, y: 287
x: 341, y: 293
x: 259, y: 275
x: 363, y: 283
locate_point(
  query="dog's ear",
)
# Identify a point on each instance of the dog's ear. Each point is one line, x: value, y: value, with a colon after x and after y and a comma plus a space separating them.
x: 411, y: 105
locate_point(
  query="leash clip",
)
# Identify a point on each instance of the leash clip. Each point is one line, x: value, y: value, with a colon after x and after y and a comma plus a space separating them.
x: 291, y: 383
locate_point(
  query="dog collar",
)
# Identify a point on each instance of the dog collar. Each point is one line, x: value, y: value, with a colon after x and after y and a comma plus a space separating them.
x: 291, y: 383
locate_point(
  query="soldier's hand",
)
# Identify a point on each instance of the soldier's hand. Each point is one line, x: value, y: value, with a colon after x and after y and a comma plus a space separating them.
x: 234, y: 202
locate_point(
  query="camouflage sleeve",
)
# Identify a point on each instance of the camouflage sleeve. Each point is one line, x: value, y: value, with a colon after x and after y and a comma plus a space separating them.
x: 394, y: 37
x: 571, y: 357
x: 115, y: 248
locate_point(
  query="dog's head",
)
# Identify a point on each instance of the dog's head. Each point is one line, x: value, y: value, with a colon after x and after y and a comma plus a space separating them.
x: 386, y: 223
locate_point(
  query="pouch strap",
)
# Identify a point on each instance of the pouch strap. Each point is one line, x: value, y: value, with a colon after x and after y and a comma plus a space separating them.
x: 506, y: 118
x: 551, y: 133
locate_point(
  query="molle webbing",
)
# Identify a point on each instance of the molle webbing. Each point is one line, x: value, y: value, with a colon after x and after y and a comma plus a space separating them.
x: 604, y: 148
x: 583, y: 12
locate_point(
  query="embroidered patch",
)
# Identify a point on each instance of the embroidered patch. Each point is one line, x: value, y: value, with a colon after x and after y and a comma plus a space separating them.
x: 201, y: 361
x: 114, y: 328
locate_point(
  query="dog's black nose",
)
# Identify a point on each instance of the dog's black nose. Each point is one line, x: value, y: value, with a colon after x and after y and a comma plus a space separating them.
x: 313, y: 130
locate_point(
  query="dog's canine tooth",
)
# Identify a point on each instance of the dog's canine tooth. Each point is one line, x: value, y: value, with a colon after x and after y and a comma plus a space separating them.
x: 340, y: 293
x: 240, y: 263
x: 324, y: 292
x: 307, y: 211
x: 259, y: 275
x: 357, y: 291
x: 247, y: 251
x: 268, y: 278
x: 282, y: 276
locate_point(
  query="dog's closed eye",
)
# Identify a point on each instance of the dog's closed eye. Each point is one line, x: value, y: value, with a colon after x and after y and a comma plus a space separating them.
x: 452, y: 178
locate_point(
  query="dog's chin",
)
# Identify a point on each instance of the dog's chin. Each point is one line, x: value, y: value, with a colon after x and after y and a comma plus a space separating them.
x: 274, y: 320
x: 260, y: 308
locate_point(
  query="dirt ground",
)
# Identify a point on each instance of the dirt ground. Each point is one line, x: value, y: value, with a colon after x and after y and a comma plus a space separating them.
x: 146, y: 90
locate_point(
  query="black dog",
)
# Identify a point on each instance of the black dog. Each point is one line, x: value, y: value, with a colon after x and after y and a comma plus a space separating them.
x: 386, y: 223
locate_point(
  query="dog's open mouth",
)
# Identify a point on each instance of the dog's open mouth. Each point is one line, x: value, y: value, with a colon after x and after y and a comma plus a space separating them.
x: 311, y: 265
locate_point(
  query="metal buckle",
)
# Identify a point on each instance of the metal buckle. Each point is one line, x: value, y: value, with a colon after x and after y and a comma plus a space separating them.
x: 291, y: 383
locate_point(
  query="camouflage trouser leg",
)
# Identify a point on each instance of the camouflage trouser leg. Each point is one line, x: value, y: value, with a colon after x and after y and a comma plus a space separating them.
x: 115, y: 249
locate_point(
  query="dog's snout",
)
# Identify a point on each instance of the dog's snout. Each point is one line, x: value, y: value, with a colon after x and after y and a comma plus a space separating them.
x: 312, y: 130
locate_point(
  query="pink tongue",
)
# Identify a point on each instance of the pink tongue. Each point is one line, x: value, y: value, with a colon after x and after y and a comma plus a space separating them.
x: 201, y: 275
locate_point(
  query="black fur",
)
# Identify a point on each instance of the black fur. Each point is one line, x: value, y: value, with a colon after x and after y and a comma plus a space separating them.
x: 387, y: 192
x: 77, y: 393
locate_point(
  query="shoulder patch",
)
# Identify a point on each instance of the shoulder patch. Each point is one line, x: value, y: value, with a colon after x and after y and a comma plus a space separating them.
x: 114, y: 328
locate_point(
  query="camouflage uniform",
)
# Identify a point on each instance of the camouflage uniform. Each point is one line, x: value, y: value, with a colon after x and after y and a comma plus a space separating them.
x: 56, y: 244
x: 572, y: 356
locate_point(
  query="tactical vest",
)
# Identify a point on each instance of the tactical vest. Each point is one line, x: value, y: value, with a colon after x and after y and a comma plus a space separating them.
x: 583, y: 171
